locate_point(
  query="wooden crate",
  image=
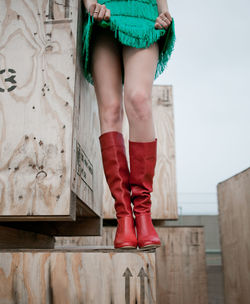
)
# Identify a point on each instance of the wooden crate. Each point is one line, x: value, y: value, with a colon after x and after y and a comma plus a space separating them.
x: 50, y: 154
x: 181, y: 266
x: 164, y: 201
x: 181, y: 276
x: 77, y: 276
x: 234, y: 213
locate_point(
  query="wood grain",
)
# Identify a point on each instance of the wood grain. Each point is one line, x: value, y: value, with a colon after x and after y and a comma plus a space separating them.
x: 47, y: 110
x: 76, y: 276
x: 234, y: 213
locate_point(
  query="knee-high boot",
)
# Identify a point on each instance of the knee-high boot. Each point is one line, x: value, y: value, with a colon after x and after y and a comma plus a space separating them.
x: 142, y: 166
x: 117, y: 176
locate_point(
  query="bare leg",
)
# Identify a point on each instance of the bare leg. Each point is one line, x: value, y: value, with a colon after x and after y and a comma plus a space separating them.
x: 106, y: 70
x: 107, y: 76
x: 139, y: 67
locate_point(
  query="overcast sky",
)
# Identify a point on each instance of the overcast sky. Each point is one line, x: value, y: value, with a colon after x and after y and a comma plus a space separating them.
x: 210, y: 73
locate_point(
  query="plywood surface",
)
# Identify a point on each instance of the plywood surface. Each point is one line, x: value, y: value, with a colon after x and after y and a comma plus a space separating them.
x: 77, y: 277
x: 234, y: 214
x: 48, y: 114
x: 36, y: 108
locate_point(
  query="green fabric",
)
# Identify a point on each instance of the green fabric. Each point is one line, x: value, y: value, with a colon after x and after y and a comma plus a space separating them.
x: 133, y: 23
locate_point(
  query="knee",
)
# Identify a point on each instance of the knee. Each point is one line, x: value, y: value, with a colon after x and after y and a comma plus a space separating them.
x: 138, y: 105
x: 111, y: 113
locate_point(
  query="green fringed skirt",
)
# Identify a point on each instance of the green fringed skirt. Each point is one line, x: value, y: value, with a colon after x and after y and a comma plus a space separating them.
x: 133, y: 24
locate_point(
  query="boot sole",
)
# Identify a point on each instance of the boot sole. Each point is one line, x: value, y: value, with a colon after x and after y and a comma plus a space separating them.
x: 150, y: 246
x: 126, y: 247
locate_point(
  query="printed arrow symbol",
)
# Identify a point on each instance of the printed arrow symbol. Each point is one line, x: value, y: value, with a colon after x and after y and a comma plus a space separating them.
x: 127, y: 274
x: 142, y: 274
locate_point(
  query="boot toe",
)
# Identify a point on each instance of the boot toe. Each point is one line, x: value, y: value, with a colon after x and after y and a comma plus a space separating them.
x: 125, y: 241
x: 146, y: 233
x: 125, y: 245
x: 125, y: 234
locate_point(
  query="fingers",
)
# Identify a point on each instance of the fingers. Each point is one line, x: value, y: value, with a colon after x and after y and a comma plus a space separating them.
x: 168, y: 16
x: 99, y: 11
x: 107, y: 14
x: 163, y: 20
x: 92, y: 8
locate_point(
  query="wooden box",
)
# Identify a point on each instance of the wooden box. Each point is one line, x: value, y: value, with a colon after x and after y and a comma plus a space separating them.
x: 181, y: 276
x: 49, y: 126
x: 164, y: 200
x: 77, y: 276
x: 234, y: 213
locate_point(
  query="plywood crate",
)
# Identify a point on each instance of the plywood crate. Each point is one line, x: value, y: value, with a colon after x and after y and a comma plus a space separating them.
x: 181, y: 276
x: 50, y: 154
x: 77, y: 276
x: 234, y: 213
x: 164, y: 197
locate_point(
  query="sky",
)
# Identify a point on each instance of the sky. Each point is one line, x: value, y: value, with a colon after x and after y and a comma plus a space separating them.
x: 210, y: 73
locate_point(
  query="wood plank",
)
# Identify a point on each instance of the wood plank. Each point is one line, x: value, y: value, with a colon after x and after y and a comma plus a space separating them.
x: 164, y: 197
x: 77, y: 276
x: 234, y: 213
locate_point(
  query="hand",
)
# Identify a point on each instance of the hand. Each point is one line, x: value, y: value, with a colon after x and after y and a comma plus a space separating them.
x: 99, y: 11
x: 163, y: 20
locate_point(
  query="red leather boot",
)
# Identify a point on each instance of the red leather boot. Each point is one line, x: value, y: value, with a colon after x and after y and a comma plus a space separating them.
x: 117, y: 176
x: 142, y: 166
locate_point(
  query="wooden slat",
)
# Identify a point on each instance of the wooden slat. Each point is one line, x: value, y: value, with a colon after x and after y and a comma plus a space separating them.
x: 77, y: 276
x: 234, y: 214
x: 180, y: 262
x: 164, y: 201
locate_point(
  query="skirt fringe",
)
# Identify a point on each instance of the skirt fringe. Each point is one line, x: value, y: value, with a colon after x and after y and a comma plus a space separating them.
x: 133, y: 31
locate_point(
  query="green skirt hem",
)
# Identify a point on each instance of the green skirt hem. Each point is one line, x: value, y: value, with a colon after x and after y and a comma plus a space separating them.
x: 145, y: 39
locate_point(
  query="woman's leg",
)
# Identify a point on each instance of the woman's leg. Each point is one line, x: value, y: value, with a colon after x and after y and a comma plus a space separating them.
x: 139, y: 66
x: 107, y: 76
x: 106, y: 71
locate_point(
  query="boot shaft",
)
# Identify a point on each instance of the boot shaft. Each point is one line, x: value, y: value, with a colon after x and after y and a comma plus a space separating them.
x: 142, y: 169
x: 116, y: 171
